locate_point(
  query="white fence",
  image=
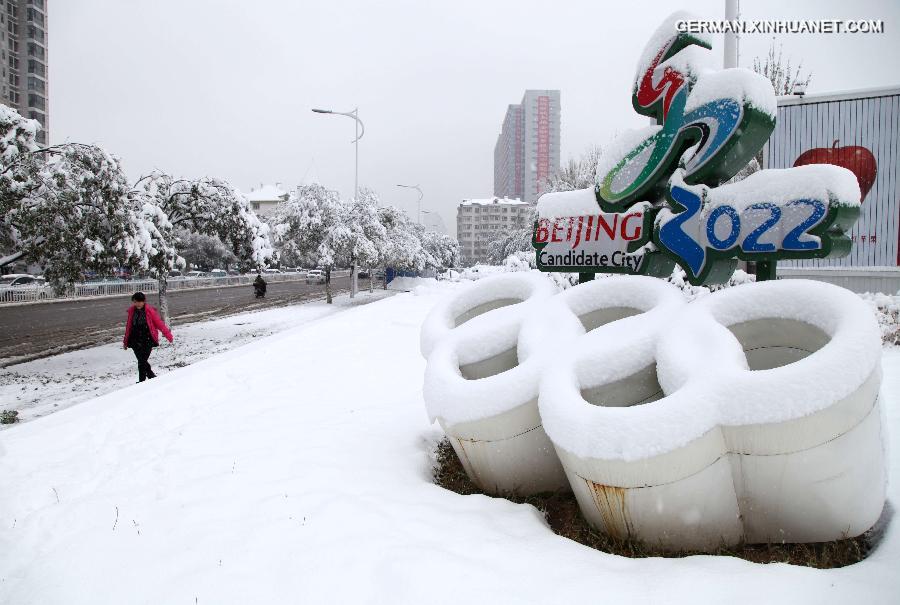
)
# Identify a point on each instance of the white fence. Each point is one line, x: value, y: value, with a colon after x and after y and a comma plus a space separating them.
x: 120, y: 287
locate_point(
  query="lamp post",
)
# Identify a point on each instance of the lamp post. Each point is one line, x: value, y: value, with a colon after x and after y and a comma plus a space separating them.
x: 418, y: 203
x: 360, y: 131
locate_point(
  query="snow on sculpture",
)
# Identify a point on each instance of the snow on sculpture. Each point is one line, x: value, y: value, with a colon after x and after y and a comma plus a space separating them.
x: 481, y: 384
x: 658, y: 199
x: 754, y: 417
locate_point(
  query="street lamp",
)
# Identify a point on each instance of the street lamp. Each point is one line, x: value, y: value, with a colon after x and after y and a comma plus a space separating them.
x: 418, y: 203
x: 360, y: 130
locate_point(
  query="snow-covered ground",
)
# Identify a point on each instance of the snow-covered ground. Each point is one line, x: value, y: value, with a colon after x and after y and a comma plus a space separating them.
x: 296, y: 469
x: 47, y: 385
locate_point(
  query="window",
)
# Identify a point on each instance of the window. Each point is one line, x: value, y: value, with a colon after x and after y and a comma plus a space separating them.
x: 36, y: 33
x: 13, y: 80
x: 38, y: 3
x: 34, y: 115
x: 41, y: 137
x: 36, y: 100
x: 35, y: 50
x: 36, y: 84
x: 36, y: 67
x: 255, y: 205
x: 32, y: 14
x: 14, y: 62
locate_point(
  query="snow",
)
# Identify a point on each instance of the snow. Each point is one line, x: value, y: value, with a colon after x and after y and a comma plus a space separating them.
x: 742, y: 85
x: 266, y: 193
x: 43, y: 386
x: 621, y: 146
x: 504, y: 201
x: 831, y: 184
x: 581, y: 202
x: 264, y: 475
x: 661, y: 39
x: 703, y: 371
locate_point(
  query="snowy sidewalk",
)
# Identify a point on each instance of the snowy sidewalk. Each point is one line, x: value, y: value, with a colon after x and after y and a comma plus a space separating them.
x: 43, y: 386
x: 295, y: 470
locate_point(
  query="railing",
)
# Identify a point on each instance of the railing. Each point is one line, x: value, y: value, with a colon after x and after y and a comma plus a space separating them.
x: 120, y: 287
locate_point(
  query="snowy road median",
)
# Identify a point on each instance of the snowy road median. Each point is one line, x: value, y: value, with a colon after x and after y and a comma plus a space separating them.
x: 296, y: 469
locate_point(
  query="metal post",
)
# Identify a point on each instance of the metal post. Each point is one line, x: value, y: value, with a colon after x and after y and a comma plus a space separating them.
x: 360, y: 131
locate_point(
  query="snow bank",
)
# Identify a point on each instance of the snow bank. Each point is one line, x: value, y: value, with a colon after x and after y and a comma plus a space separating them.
x: 763, y: 397
x: 264, y: 475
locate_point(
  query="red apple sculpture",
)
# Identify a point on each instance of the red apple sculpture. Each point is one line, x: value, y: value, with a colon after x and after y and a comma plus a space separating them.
x: 856, y: 159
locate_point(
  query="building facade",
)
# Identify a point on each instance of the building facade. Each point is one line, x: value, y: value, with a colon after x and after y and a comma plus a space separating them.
x: 264, y: 200
x: 23, y: 61
x: 528, y: 147
x: 478, y: 221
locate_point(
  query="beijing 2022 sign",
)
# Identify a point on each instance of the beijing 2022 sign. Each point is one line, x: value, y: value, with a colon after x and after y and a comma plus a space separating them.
x: 662, y: 194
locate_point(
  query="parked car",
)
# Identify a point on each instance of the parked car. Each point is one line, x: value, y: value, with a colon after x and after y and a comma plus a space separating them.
x: 362, y: 273
x: 271, y: 270
x: 379, y: 274
x: 21, y: 286
x: 218, y: 273
x: 175, y: 274
x: 196, y: 274
x: 315, y: 276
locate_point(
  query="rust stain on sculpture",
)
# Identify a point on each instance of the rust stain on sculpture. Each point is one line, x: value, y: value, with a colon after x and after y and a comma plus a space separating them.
x: 610, y: 503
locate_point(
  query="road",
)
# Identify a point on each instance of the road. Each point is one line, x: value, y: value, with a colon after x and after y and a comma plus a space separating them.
x: 36, y: 330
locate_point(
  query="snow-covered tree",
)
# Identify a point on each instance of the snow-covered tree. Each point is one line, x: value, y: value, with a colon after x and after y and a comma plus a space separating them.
x: 441, y: 251
x: 68, y: 207
x: 303, y: 228
x: 204, y: 251
x: 361, y: 236
x: 578, y: 173
x: 207, y: 206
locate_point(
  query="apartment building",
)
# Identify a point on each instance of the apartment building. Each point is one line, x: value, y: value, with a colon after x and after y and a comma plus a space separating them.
x: 23, y: 61
x: 527, y: 150
x: 478, y: 221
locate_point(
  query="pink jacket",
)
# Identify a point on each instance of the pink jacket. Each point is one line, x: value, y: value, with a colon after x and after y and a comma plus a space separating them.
x: 154, y: 323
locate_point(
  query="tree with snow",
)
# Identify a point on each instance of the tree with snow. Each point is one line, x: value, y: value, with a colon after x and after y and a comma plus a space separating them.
x: 303, y: 228
x: 402, y: 249
x: 207, y: 206
x: 68, y: 207
x: 361, y: 236
x: 578, y: 173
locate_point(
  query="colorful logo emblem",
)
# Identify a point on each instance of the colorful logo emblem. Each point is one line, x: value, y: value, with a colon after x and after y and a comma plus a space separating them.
x: 660, y: 198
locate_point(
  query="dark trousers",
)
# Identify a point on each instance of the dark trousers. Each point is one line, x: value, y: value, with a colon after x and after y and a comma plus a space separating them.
x: 142, y: 352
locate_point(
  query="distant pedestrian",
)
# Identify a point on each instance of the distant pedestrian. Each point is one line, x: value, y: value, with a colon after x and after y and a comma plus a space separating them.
x: 142, y: 333
x: 259, y: 286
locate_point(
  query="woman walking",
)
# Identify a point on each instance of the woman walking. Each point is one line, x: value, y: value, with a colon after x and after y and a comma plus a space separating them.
x: 142, y: 333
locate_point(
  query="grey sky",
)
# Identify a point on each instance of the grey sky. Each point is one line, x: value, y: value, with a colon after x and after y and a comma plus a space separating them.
x: 224, y: 88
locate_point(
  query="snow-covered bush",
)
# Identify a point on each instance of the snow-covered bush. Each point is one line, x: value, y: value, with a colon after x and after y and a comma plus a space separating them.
x: 887, y: 312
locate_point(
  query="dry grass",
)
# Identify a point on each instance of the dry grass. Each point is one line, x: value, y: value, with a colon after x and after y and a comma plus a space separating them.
x: 562, y: 514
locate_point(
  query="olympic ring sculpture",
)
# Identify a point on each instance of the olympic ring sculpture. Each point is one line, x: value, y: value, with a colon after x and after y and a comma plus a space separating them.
x: 751, y: 414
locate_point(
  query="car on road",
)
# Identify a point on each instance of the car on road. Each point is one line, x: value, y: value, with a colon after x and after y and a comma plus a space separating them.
x: 363, y: 273
x: 271, y: 270
x: 21, y: 286
x: 196, y: 274
x: 175, y: 274
x: 315, y: 276
x: 218, y: 273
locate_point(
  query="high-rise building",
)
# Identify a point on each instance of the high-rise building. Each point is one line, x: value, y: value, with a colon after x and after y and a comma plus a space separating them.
x: 480, y: 221
x: 527, y: 150
x: 23, y: 60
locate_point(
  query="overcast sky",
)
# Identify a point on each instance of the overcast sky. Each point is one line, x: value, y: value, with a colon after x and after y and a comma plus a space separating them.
x: 224, y: 88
